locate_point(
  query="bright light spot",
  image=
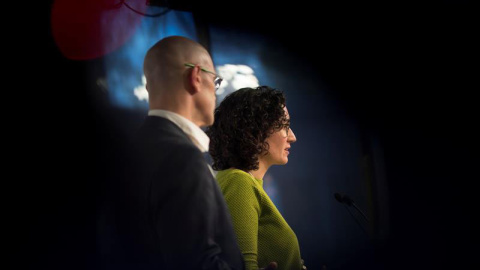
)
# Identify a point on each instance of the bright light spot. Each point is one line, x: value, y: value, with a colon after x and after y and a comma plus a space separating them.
x: 141, y: 91
x: 235, y: 77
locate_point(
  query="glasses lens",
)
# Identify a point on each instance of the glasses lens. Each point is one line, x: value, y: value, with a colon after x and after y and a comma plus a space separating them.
x: 287, y: 129
x: 217, y: 82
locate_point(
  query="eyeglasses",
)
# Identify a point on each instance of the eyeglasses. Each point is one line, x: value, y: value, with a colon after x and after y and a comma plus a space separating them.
x: 287, y: 128
x: 217, y: 80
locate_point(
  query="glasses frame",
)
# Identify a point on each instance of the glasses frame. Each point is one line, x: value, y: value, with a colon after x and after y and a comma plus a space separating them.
x: 217, y: 80
x: 287, y: 128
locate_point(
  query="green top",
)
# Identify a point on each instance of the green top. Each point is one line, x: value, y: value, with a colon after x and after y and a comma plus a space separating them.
x: 262, y: 233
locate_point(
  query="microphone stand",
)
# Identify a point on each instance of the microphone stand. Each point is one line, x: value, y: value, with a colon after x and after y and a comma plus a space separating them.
x: 347, y: 201
x: 350, y: 202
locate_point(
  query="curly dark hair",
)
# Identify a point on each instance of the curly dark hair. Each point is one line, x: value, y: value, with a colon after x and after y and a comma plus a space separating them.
x: 243, y: 122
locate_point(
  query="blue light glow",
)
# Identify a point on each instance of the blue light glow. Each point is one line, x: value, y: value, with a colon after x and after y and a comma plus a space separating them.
x: 124, y: 67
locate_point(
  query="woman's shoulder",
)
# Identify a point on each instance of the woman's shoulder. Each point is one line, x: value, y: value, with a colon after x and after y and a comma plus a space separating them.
x: 237, y: 184
x: 234, y: 176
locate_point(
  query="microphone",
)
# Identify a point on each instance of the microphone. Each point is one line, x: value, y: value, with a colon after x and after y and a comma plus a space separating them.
x: 338, y: 197
x: 348, y: 201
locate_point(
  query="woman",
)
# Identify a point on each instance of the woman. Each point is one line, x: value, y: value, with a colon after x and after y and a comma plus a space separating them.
x: 251, y: 132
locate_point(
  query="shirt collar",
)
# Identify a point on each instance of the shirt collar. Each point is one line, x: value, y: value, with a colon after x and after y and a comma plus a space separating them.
x: 196, y: 134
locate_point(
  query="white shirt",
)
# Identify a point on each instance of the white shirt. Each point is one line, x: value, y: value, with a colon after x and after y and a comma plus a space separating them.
x: 195, y: 133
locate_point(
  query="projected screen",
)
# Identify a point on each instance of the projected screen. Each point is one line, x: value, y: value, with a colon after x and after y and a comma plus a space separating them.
x: 238, y: 65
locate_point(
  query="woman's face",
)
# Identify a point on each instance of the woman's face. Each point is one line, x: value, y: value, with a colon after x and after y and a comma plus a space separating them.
x: 279, y: 145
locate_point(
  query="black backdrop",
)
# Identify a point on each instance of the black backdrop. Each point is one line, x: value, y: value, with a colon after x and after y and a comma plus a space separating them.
x: 423, y: 53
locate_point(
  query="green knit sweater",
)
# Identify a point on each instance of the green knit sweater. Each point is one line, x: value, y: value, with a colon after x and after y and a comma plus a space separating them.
x: 262, y: 233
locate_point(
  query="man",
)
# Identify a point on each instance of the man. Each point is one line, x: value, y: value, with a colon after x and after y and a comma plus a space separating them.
x: 176, y: 215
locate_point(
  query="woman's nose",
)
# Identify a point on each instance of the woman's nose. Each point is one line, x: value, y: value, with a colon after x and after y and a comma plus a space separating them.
x: 291, y: 136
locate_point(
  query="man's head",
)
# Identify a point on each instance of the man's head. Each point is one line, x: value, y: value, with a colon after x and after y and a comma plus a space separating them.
x: 180, y: 78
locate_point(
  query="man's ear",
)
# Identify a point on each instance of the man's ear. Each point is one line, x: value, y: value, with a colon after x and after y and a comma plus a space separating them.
x: 194, y: 80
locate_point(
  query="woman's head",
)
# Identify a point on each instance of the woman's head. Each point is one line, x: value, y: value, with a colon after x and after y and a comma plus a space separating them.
x: 250, y: 124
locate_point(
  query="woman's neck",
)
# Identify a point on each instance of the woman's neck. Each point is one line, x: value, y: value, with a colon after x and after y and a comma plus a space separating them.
x: 261, y: 171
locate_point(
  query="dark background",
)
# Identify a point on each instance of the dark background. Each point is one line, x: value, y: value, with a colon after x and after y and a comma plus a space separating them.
x: 402, y: 70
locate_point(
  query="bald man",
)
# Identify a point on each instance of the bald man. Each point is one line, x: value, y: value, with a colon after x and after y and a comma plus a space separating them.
x: 176, y: 214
